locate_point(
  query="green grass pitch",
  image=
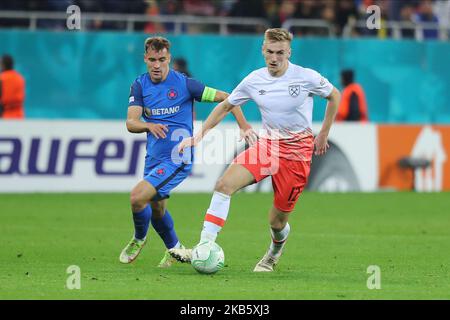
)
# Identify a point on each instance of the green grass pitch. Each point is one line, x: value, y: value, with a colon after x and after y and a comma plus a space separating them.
x: 334, y: 239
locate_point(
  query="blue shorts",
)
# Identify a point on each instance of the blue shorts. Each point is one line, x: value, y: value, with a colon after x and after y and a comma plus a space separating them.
x: 165, y: 176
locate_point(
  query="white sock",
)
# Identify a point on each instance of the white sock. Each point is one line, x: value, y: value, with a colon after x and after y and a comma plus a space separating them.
x: 215, y: 217
x: 278, y: 240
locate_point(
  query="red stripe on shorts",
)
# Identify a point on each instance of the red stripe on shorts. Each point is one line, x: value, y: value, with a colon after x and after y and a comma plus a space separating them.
x: 213, y: 219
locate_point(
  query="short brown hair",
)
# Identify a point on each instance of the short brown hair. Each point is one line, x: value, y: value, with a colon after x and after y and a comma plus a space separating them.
x: 157, y: 44
x: 277, y: 35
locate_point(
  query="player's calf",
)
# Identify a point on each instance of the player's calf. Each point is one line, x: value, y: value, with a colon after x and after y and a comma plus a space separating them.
x: 279, y: 239
x: 271, y: 258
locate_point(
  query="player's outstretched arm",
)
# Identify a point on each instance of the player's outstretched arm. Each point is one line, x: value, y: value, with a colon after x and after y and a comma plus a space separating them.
x: 321, y: 140
x: 218, y: 113
x: 236, y: 111
x: 136, y: 125
x: 247, y: 131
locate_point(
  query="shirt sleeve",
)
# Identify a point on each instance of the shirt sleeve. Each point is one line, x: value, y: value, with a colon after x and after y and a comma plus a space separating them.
x: 135, y: 98
x: 318, y: 85
x: 195, y: 88
x: 240, y: 94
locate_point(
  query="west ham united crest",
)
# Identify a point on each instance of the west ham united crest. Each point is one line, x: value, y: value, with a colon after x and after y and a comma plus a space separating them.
x: 294, y: 90
x: 172, y: 94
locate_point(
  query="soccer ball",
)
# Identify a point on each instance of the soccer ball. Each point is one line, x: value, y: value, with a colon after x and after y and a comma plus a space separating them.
x: 207, y: 257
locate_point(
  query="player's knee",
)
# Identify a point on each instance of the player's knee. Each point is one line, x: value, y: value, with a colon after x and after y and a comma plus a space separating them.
x: 137, y: 202
x: 224, y: 186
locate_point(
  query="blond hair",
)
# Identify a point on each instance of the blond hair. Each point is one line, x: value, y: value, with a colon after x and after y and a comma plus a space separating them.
x: 278, y: 35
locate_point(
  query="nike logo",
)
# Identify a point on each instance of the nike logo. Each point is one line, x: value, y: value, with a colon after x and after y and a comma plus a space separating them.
x: 262, y: 92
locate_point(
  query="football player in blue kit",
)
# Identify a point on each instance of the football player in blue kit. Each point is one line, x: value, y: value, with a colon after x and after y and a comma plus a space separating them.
x: 161, y: 104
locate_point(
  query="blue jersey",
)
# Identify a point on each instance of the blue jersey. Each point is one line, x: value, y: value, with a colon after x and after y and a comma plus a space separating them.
x: 169, y: 102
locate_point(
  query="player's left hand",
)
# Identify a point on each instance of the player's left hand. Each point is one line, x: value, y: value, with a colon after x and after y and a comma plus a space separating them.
x: 249, y: 135
x: 321, y: 144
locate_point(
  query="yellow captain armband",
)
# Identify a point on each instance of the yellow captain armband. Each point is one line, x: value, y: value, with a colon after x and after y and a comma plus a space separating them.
x: 208, y: 94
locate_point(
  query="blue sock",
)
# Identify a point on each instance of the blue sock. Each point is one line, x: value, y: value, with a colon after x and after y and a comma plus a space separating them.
x: 165, y: 229
x: 141, y: 222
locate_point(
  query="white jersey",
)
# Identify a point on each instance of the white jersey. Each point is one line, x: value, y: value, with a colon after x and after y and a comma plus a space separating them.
x: 286, y: 102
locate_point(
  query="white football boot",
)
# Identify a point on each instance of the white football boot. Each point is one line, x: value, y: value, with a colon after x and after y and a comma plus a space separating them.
x: 181, y: 254
x: 267, y: 263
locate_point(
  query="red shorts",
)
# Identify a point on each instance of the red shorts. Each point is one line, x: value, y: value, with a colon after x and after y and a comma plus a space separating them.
x: 288, y: 162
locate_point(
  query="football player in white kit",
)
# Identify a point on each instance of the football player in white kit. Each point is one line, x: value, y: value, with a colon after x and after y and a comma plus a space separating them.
x: 284, y: 94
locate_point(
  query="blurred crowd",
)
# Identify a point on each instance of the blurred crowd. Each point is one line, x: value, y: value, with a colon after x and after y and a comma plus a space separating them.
x: 337, y: 13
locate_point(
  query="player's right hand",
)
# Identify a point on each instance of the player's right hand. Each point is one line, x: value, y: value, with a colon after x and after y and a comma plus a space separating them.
x: 321, y: 144
x: 158, y: 130
x: 186, y: 143
x: 249, y: 135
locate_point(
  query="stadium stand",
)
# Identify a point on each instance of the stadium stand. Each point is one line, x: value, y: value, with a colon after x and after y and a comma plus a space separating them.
x: 408, y: 18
